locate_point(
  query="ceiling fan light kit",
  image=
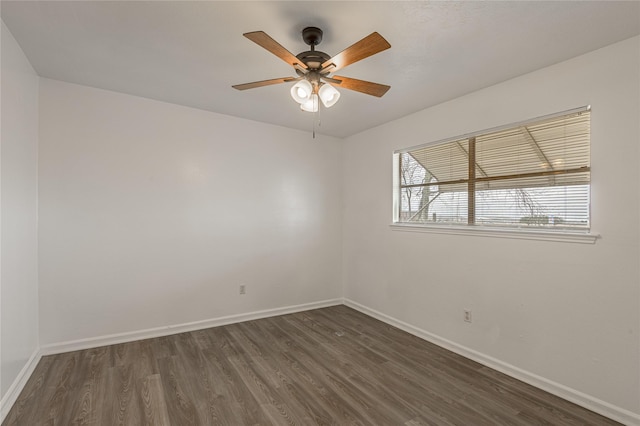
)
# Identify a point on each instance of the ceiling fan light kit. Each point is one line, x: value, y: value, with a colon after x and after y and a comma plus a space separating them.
x: 329, y: 95
x: 311, y: 105
x: 301, y: 91
x: 313, y: 67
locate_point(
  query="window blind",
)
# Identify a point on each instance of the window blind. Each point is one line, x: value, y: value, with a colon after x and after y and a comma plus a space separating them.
x: 533, y: 175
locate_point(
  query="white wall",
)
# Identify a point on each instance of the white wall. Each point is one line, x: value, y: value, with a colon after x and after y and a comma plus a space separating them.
x: 18, y: 224
x: 152, y: 214
x: 568, y: 313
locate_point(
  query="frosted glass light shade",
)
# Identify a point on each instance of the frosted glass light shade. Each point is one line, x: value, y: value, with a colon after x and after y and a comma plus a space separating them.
x: 311, y: 105
x: 301, y: 91
x: 328, y: 95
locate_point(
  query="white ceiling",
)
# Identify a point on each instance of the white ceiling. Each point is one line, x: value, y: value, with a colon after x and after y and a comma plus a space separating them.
x: 190, y: 53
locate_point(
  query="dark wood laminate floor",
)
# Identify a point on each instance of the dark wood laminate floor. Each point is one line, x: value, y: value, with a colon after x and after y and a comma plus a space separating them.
x: 326, y: 366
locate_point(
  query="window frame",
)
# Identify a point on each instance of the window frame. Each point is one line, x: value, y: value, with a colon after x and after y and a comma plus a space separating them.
x: 547, y: 234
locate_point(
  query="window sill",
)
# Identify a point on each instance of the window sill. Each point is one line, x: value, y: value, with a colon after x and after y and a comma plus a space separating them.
x: 522, y: 234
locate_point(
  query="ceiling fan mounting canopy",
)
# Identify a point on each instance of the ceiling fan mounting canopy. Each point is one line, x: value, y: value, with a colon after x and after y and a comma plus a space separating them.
x: 312, y: 36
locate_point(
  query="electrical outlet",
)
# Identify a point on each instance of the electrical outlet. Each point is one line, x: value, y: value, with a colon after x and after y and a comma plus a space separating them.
x: 467, y: 315
x: 243, y: 289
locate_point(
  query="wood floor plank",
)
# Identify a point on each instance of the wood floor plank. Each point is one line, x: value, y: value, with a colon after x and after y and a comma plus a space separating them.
x: 153, y: 405
x: 227, y: 387
x: 58, y: 406
x: 331, y: 366
x: 88, y: 379
x: 28, y: 407
x: 120, y: 406
x: 180, y: 404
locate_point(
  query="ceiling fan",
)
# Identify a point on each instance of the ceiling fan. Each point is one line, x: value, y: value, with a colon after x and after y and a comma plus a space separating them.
x: 314, y: 67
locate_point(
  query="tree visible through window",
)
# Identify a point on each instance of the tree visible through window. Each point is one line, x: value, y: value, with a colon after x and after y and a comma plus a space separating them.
x: 531, y: 175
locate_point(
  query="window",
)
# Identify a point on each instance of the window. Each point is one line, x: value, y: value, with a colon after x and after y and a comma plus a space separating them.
x: 534, y: 176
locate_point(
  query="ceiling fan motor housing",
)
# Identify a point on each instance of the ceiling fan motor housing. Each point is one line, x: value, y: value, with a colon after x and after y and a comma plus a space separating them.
x: 313, y: 59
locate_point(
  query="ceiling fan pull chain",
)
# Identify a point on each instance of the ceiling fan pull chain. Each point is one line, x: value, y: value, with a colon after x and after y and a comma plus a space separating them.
x: 316, y: 115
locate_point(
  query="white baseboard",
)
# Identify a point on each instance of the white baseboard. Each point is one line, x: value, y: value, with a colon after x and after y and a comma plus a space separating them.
x: 10, y: 397
x: 130, y: 336
x: 589, y: 402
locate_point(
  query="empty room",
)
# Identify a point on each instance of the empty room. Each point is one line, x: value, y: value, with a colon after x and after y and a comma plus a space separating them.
x: 320, y: 212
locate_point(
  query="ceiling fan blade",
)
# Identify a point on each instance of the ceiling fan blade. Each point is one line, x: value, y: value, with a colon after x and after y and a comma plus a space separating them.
x: 262, y: 83
x: 373, y: 89
x: 263, y: 39
x: 370, y: 45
